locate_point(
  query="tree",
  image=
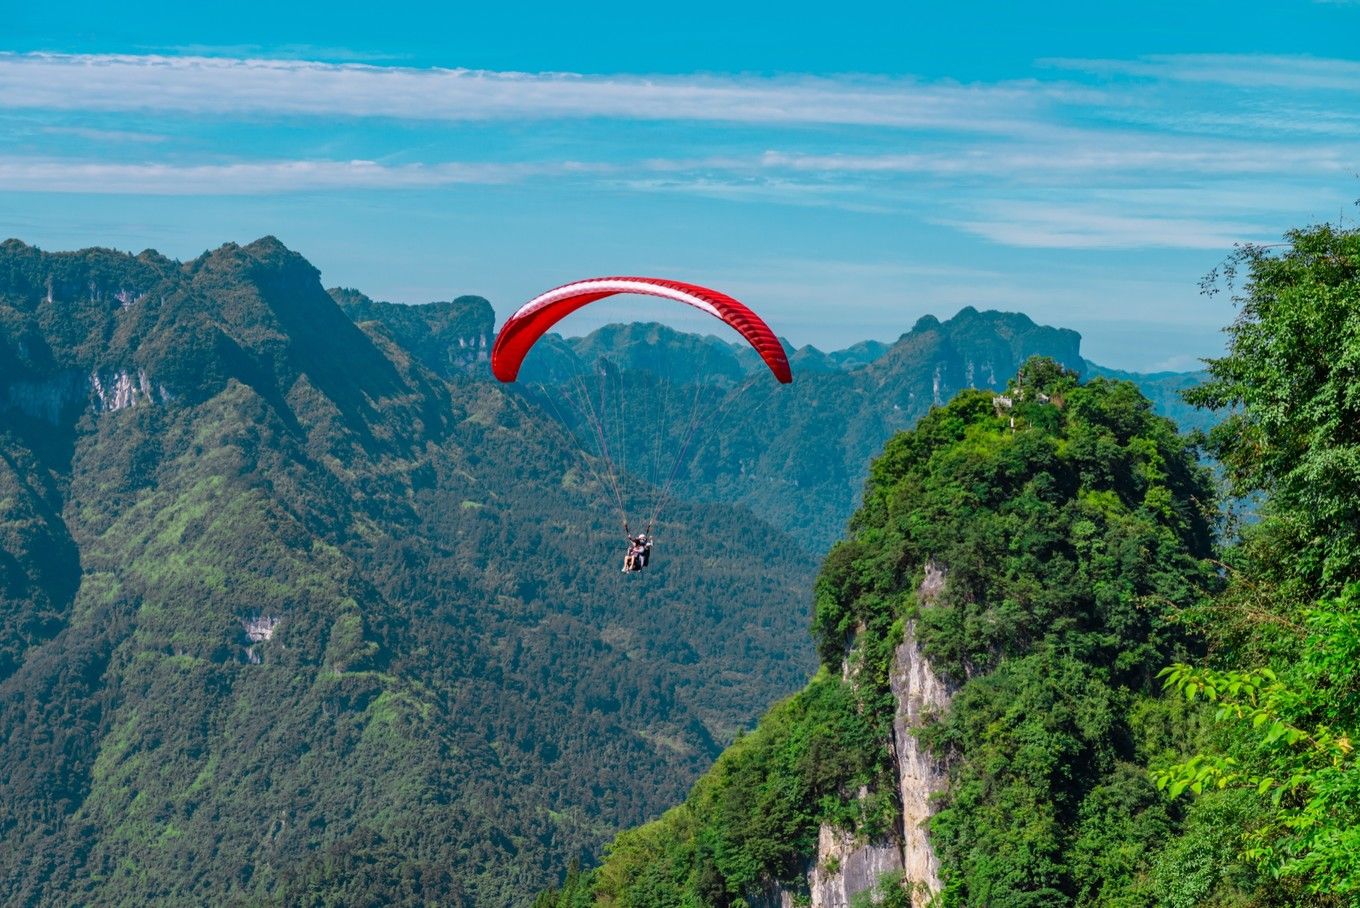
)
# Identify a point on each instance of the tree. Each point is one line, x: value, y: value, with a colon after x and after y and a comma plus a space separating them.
x: 1291, y: 384
x: 1286, y: 688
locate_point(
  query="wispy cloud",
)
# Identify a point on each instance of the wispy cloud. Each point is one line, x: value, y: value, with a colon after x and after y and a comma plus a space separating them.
x: 216, y: 85
x: 1190, y: 152
x: 1084, y: 152
x: 1237, y: 70
x: 1065, y: 225
x: 244, y: 178
x: 102, y: 135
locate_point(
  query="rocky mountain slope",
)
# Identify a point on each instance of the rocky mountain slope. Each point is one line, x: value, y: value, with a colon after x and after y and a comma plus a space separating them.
x: 286, y: 613
x: 296, y: 602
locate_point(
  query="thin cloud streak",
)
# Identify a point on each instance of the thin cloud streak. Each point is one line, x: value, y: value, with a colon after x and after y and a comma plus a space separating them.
x: 1096, y: 154
x: 253, y: 178
x: 1042, y: 225
x: 214, y: 85
x: 102, y: 135
x: 1152, y: 214
x: 1236, y: 70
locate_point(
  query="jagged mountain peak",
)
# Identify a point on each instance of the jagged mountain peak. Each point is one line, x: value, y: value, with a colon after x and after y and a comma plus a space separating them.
x: 975, y: 349
x: 104, y: 330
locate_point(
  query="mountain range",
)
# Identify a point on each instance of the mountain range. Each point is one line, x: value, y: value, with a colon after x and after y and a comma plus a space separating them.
x: 797, y: 457
x: 297, y: 603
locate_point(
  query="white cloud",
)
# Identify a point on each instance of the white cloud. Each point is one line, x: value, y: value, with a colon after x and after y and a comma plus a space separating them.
x: 218, y: 85
x: 1086, y: 152
x: 1066, y: 225
x: 1299, y: 73
x: 1130, y: 164
x: 101, y: 135
x: 242, y: 178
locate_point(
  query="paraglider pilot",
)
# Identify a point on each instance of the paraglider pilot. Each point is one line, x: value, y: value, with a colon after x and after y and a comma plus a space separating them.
x: 639, y: 553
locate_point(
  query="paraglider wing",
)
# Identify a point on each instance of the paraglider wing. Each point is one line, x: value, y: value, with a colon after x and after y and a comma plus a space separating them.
x: 534, y: 318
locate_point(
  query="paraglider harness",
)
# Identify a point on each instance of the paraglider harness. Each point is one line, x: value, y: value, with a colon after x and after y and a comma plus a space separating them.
x: 639, y: 551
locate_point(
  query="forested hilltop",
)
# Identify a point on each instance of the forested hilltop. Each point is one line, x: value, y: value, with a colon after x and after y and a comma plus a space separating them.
x: 1054, y: 671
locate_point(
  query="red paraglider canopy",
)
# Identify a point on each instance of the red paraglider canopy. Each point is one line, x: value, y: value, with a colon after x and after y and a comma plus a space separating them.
x: 523, y: 329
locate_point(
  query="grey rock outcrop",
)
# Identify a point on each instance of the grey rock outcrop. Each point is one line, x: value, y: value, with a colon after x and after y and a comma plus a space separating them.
x: 845, y: 866
x: 259, y: 628
x: 120, y: 390
x: 58, y: 396
x: 921, y: 694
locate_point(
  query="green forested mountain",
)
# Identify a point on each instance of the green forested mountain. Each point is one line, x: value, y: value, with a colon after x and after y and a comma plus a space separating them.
x: 449, y: 338
x: 288, y: 617
x: 1044, y: 681
x: 1062, y: 547
x: 298, y: 607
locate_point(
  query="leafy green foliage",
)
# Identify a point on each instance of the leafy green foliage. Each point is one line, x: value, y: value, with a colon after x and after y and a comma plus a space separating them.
x: 1294, y: 745
x: 1166, y: 391
x: 1282, y: 686
x: 1291, y: 384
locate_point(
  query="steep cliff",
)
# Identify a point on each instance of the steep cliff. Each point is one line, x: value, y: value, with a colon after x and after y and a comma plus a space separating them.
x: 846, y: 865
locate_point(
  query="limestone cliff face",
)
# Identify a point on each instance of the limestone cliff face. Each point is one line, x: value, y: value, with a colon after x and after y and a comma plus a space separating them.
x: 122, y: 389
x: 844, y: 866
x: 921, y: 694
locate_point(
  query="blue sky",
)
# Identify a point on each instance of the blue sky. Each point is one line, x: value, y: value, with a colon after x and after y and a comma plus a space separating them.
x: 843, y: 169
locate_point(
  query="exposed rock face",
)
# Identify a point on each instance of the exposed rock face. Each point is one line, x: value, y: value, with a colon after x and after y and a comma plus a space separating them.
x: 921, y: 695
x: 470, y: 351
x: 119, y: 390
x: 857, y: 867
x: 260, y: 627
x: 52, y: 399
x: 845, y: 867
